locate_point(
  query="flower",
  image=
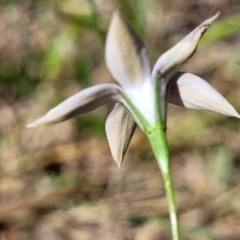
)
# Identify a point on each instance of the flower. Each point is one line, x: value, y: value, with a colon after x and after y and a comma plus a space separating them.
x: 128, y: 61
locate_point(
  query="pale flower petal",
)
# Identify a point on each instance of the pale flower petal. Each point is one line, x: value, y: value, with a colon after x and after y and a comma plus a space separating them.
x: 119, y: 129
x: 82, y: 102
x: 126, y: 55
x: 182, y: 51
x: 190, y: 91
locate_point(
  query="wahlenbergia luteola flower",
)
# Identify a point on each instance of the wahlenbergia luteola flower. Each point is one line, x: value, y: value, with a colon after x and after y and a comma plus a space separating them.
x: 141, y: 94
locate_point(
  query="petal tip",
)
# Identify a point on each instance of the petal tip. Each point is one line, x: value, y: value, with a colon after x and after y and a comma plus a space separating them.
x: 210, y: 20
x: 118, y: 160
x: 116, y: 15
x: 36, y: 123
x: 116, y: 12
x: 216, y: 16
x: 31, y: 125
x: 236, y: 114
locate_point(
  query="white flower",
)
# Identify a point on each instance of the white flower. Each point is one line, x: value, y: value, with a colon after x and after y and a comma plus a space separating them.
x: 128, y: 61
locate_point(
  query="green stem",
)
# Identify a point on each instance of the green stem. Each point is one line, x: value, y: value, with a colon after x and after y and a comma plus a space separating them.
x: 158, y: 142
